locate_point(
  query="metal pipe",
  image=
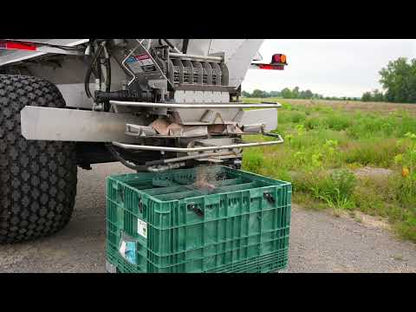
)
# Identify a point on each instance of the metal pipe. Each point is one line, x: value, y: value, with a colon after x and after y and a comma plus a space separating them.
x: 165, y: 167
x: 199, y: 57
x: 191, y: 157
x: 194, y: 149
x: 176, y: 105
x: 172, y: 46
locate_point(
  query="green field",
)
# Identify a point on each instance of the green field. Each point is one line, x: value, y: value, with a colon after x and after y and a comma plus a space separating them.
x: 346, y: 156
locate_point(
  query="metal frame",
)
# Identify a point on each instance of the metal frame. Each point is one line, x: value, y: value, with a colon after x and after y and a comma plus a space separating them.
x: 196, y: 105
x: 63, y: 124
x: 197, y: 149
x: 197, y: 57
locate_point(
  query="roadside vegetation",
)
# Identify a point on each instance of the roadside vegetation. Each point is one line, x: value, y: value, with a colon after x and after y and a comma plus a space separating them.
x: 326, y: 149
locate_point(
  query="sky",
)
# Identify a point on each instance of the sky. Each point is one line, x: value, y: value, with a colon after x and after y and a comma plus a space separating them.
x: 331, y: 67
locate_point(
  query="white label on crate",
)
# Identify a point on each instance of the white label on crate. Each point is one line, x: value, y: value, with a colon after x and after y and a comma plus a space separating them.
x: 123, y: 248
x: 142, y: 228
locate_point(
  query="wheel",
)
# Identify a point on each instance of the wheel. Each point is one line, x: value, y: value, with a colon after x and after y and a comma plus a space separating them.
x: 37, y: 178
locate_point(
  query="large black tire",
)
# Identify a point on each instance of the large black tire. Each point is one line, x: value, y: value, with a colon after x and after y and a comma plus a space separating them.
x: 37, y: 178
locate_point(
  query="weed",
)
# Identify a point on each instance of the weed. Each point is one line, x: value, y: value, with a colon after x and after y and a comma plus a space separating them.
x: 379, y: 153
x: 323, y: 145
x: 335, y: 188
x: 300, y: 129
x: 313, y: 122
x: 253, y: 160
x: 406, y: 183
x: 336, y: 212
x: 358, y: 219
x: 338, y: 121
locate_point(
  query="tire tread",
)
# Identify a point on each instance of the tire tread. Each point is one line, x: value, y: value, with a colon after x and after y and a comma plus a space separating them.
x: 37, y: 178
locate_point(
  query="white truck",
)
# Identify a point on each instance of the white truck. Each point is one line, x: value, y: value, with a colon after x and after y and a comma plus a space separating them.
x: 152, y: 104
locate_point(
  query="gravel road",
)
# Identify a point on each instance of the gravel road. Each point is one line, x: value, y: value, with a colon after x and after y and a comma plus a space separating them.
x: 319, y: 241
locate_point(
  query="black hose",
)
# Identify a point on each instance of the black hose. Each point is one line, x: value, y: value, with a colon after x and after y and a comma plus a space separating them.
x: 122, y: 160
x: 185, y: 46
x: 169, y: 43
x: 89, y: 71
x: 108, y: 66
x: 107, y: 104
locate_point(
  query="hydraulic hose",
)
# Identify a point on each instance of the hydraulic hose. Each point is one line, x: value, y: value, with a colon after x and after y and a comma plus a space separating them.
x: 89, y: 71
x: 124, y: 161
x: 185, y: 46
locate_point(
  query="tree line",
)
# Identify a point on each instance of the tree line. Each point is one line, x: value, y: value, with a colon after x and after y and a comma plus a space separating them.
x: 295, y: 93
x: 398, y: 79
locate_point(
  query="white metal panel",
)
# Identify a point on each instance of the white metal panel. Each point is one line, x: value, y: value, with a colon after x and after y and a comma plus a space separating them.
x: 199, y: 46
x: 238, y: 55
x: 61, y: 124
x: 267, y: 116
x: 75, y: 96
x: 187, y: 96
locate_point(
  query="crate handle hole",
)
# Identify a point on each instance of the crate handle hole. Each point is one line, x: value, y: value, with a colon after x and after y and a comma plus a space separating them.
x: 198, y: 211
x: 269, y: 198
x: 120, y: 193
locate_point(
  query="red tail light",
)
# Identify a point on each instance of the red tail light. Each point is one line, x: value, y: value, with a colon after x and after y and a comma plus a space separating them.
x: 276, y: 58
x: 279, y: 59
x: 8, y: 45
x: 278, y: 63
x: 271, y: 66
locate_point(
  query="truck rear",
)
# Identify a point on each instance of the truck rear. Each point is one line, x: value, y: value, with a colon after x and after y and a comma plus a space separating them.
x: 152, y: 104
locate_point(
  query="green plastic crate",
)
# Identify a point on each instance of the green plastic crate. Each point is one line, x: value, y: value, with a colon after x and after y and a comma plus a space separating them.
x: 162, y: 222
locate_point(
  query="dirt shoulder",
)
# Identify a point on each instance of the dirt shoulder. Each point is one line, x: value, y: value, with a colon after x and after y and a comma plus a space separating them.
x: 320, y: 242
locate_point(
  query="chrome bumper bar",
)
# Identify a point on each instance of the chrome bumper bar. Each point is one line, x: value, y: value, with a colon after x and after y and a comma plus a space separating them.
x: 199, y: 149
x: 196, y: 105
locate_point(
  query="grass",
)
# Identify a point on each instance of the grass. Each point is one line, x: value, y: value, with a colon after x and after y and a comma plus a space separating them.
x: 326, y: 142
